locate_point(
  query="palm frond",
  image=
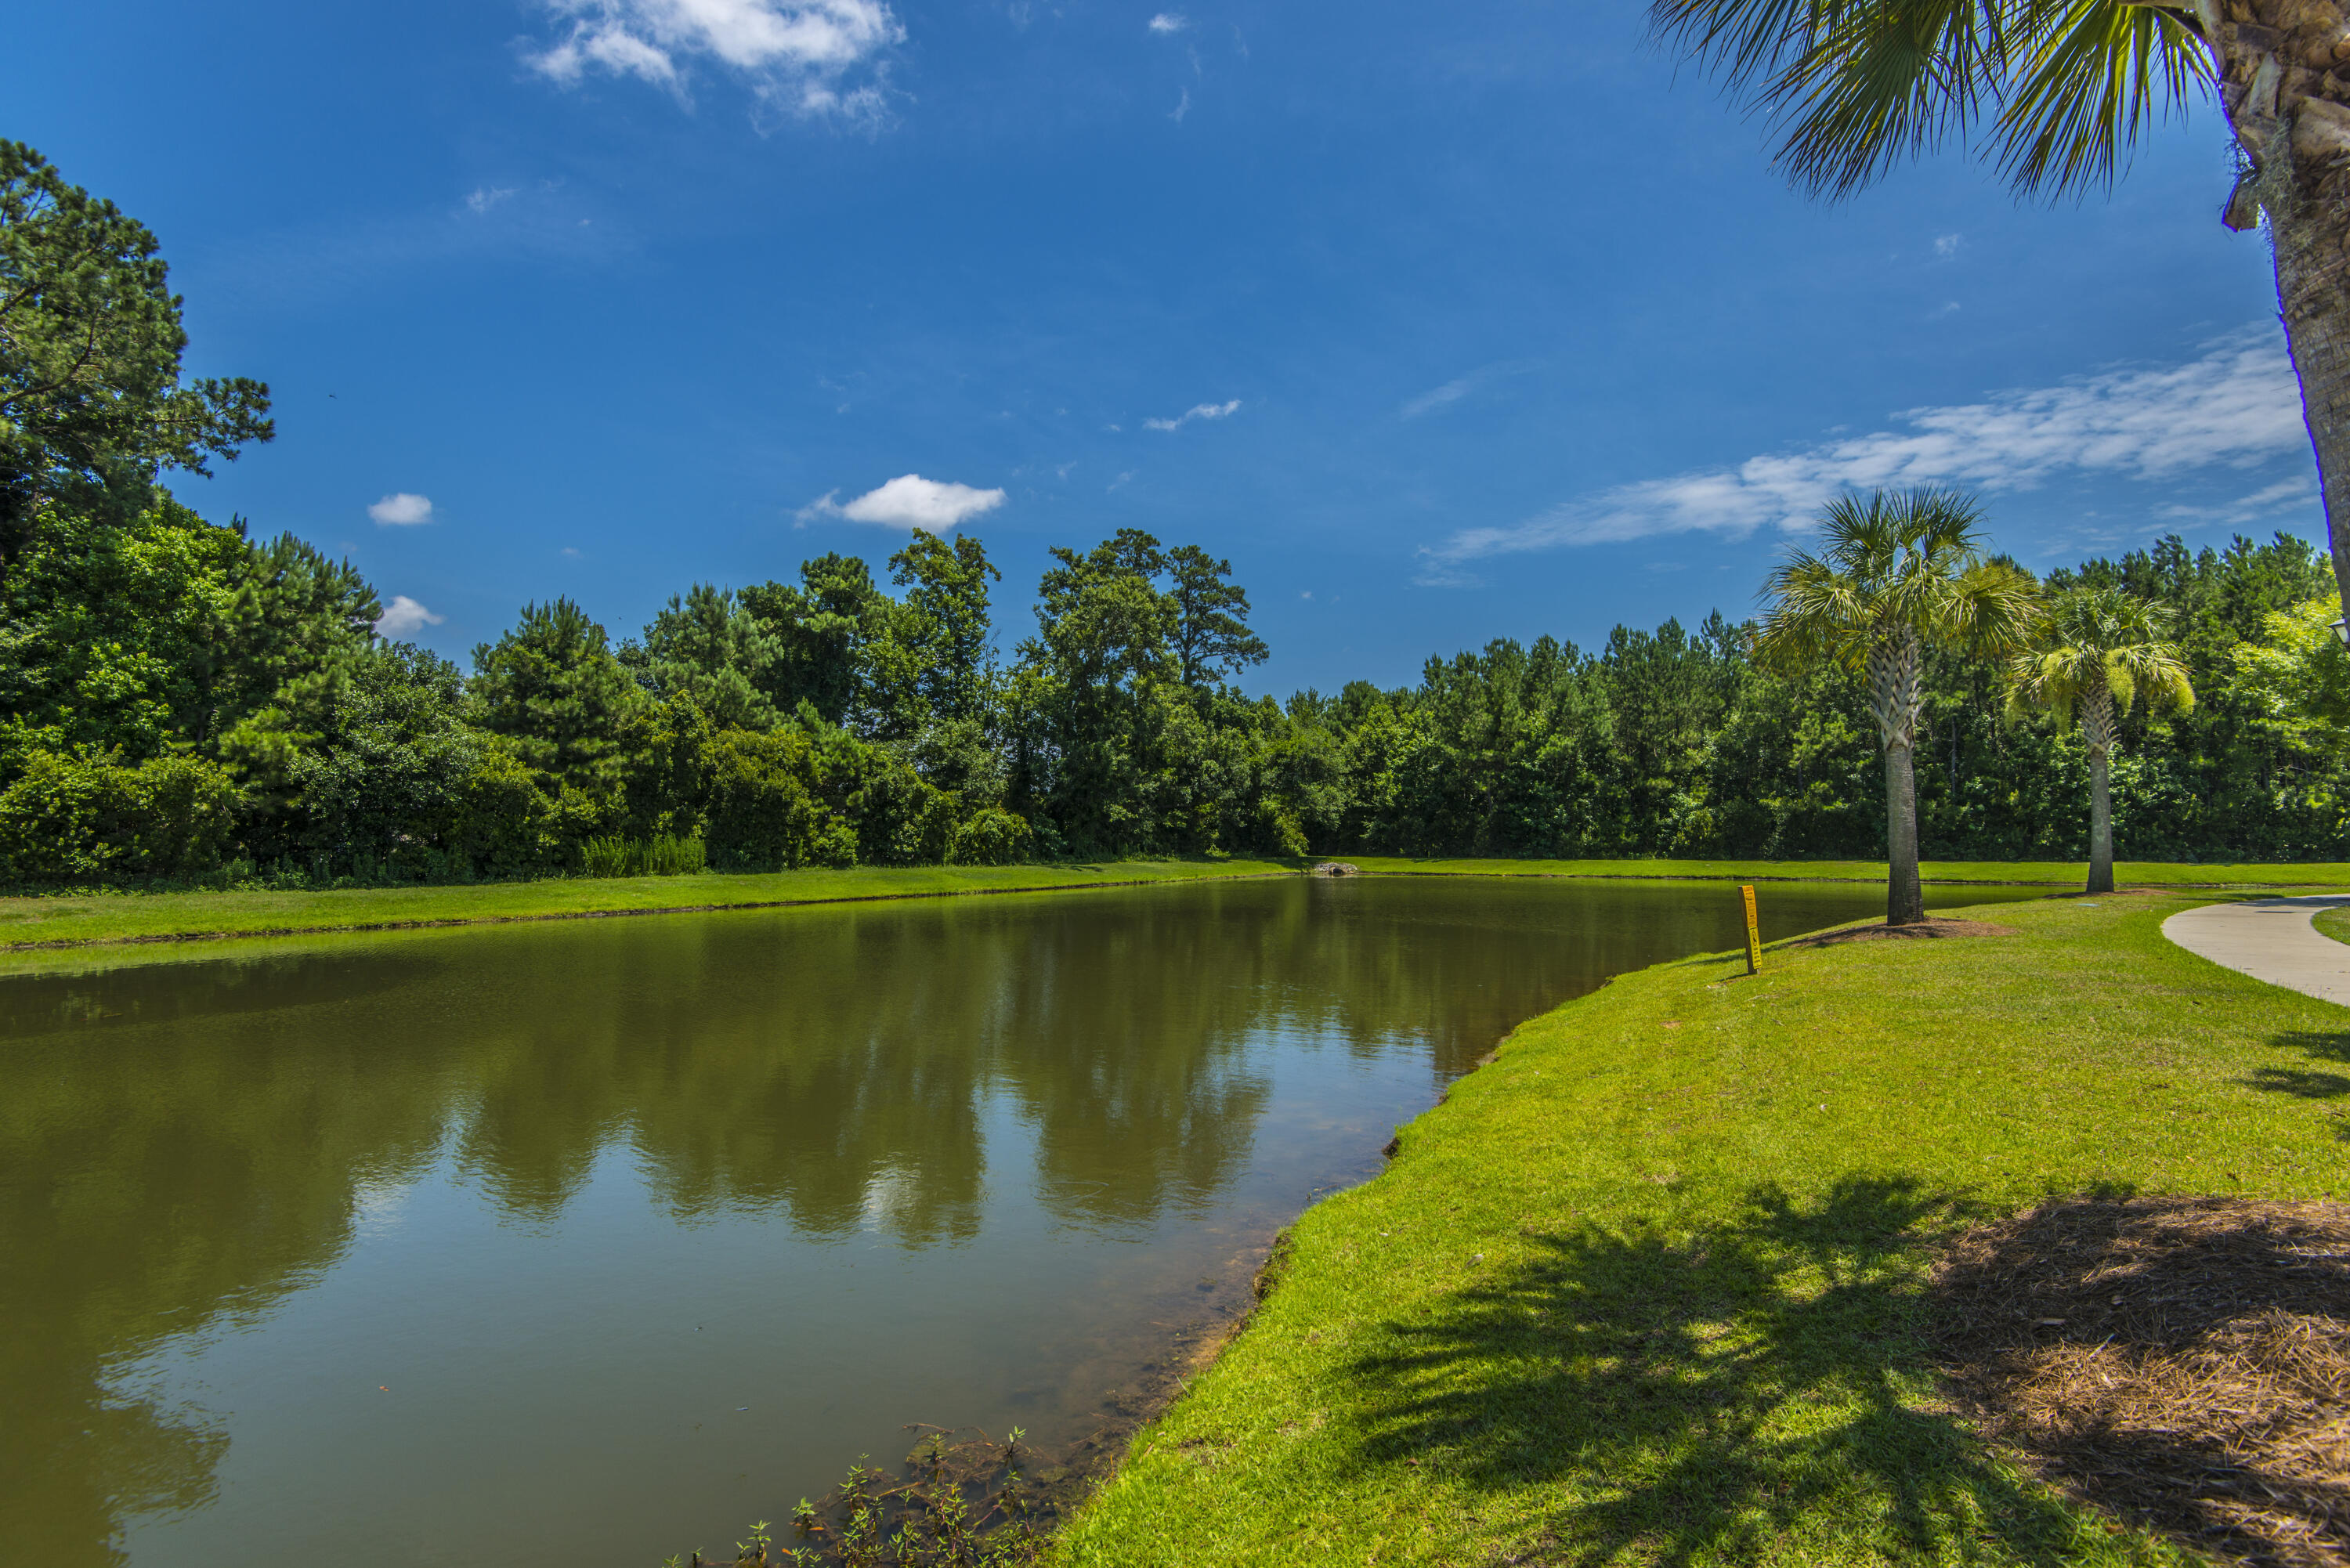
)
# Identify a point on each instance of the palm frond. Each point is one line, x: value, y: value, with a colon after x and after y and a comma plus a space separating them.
x: 1886, y: 81
x: 1853, y: 87
x: 1745, y: 39
x: 2091, y: 76
x: 2101, y: 639
x: 2156, y: 670
x: 2115, y: 672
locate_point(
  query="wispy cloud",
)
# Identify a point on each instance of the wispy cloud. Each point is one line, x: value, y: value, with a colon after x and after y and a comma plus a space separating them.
x: 402, y: 510
x: 403, y: 616
x: 1947, y: 245
x: 2236, y: 405
x: 1182, y: 106
x: 1452, y: 392
x: 1169, y: 21
x: 2258, y: 506
x: 908, y: 501
x: 797, y: 54
x: 1196, y: 411
x: 484, y: 197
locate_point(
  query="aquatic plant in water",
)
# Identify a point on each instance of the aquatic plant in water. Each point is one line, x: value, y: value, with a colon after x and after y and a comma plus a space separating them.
x: 958, y: 1505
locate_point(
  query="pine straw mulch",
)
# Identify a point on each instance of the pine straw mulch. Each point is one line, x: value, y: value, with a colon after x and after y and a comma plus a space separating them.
x: 2184, y: 1363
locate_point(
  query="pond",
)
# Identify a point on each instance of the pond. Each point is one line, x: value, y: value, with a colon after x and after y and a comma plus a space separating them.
x: 595, y: 1240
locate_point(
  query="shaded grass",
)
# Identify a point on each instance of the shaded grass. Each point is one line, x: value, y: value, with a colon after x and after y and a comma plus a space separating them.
x: 1650, y: 1288
x: 36, y: 922
x: 2054, y: 873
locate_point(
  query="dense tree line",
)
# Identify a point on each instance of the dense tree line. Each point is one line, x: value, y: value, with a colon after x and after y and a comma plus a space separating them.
x: 179, y: 702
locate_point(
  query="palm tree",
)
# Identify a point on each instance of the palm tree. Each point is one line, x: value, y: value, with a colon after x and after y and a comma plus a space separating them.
x: 2057, y: 92
x: 1894, y: 574
x: 2104, y: 646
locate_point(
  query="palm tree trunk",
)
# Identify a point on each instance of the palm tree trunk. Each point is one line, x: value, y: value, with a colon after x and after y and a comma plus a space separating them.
x: 1904, y: 897
x: 2292, y: 116
x: 2312, y: 272
x: 2101, y: 824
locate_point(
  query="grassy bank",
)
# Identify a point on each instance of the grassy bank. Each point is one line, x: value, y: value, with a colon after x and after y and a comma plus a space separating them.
x: 2053, y: 873
x: 34, y: 923
x: 1646, y: 1290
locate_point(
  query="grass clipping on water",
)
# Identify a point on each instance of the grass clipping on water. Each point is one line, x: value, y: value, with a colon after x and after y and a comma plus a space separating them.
x: 1658, y: 1286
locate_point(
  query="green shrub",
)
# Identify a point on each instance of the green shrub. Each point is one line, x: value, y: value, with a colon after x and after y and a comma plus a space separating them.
x: 502, y: 821
x: 74, y: 819
x: 761, y: 814
x: 1277, y: 830
x: 608, y: 856
x: 663, y: 855
x: 900, y: 820
x: 991, y: 837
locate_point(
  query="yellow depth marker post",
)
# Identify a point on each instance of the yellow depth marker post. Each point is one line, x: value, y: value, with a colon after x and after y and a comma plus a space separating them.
x: 1753, y: 933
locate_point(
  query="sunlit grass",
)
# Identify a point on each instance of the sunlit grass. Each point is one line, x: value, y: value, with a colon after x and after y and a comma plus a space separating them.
x: 1646, y: 1290
x: 2055, y: 873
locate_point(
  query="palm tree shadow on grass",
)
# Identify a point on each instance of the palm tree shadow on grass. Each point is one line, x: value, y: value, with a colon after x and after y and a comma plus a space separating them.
x: 1720, y: 1395
x: 2304, y: 1083
x: 2319, y: 1045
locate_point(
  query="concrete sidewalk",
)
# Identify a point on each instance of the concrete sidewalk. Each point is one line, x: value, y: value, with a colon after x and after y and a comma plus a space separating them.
x: 2269, y: 939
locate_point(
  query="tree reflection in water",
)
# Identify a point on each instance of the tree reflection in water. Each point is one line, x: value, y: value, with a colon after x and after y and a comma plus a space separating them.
x: 185, y: 1145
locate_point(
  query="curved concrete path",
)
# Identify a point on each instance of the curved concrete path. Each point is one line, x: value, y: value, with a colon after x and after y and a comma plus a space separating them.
x: 2269, y: 939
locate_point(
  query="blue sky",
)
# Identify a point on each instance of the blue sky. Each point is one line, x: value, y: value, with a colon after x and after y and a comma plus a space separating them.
x: 1442, y: 323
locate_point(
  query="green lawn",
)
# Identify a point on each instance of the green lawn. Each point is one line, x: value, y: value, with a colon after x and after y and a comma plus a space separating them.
x: 2055, y: 873
x: 1647, y: 1289
x: 134, y: 917
x: 2334, y: 923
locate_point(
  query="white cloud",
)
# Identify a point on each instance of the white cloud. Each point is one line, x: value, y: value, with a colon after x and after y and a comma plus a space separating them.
x: 1947, y: 245
x: 484, y: 197
x: 1182, y: 106
x: 402, y: 510
x: 1196, y: 411
x: 2237, y: 405
x: 797, y: 53
x: 1168, y: 22
x: 908, y: 501
x: 403, y: 616
x: 2257, y: 507
x: 1452, y: 392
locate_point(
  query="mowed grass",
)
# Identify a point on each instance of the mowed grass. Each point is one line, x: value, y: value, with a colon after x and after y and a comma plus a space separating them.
x: 2054, y: 873
x: 2334, y: 923
x: 1647, y: 1288
x: 37, y: 922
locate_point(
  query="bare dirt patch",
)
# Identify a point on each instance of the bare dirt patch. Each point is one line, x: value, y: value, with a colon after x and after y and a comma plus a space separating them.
x: 1924, y: 930
x: 2182, y: 1362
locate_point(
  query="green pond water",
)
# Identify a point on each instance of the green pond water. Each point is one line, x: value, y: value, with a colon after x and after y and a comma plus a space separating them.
x: 593, y: 1241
